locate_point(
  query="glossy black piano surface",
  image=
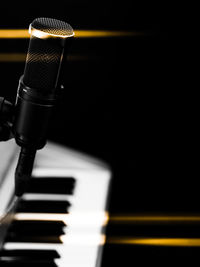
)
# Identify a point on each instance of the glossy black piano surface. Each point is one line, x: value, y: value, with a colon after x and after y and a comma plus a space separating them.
x: 120, y: 105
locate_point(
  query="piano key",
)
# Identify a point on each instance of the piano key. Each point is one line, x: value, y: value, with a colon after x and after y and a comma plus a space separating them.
x: 51, y: 185
x: 33, y: 238
x: 36, y: 196
x: 36, y: 231
x: 75, y: 219
x: 6, y: 175
x: 42, y: 216
x: 30, y: 253
x: 41, y: 206
x: 25, y: 263
x: 31, y: 227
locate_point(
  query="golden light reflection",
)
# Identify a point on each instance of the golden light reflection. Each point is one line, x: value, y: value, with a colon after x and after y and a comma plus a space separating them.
x: 183, y: 242
x: 14, y: 33
x: 12, y: 57
x: 23, y: 33
x: 21, y: 57
x: 105, y: 34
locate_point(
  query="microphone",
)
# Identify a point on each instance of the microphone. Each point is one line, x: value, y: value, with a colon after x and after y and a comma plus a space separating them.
x: 38, y: 91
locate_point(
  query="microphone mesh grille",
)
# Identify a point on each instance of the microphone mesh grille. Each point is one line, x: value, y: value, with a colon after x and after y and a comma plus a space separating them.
x: 44, y: 56
x: 52, y: 26
x: 42, y: 64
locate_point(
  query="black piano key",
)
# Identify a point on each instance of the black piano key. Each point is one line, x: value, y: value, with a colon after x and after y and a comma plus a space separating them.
x: 30, y: 254
x: 43, y: 206
x: 32, y: 227
x: 33, y: 238
x: 26, y: 263
x: 51, y: 185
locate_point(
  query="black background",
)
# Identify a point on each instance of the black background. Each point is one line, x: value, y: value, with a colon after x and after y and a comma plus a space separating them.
x: 119, y: 101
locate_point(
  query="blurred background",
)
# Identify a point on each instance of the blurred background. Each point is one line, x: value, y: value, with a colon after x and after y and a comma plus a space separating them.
x: 117, y: 105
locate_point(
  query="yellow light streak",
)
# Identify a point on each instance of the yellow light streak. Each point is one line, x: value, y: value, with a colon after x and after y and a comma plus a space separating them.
x: 175, y: 242
x: 21, y: 57
x: 89, y: 33
x: 153, y: 219
x: 23, y: 33
x: 14, y: 33
x: 12, y: 57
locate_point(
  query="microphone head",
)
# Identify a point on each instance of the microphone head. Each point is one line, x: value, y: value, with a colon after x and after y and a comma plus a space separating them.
x: 45, y: 53
x: 50, y: 28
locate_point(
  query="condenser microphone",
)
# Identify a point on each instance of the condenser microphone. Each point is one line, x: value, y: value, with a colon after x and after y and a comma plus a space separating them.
x: 38, y: 91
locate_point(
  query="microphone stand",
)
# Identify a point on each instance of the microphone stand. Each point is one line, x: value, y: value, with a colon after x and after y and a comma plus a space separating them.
x: 27, y: 155
x: 6, y: 119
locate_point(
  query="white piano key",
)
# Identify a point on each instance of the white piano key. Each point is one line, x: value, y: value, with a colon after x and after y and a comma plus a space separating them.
x: 7, y: 151
x: 7, y: 184
x: 38, y: 196
x: 74, y: 219
x: 57, y: 156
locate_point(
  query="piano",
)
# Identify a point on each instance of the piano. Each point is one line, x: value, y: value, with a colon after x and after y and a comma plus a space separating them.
x: 61, y: 219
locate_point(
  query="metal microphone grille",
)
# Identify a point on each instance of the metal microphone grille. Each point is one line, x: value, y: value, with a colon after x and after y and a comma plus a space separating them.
x: 45, y: 54
x: 52, y: 26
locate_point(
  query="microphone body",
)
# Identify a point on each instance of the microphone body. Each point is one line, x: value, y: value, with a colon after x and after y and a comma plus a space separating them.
x: 33, y: 113
x: 38, y: 91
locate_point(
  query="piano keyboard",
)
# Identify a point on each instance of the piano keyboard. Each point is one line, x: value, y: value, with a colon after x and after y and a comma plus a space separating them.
x: 61, y: 219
